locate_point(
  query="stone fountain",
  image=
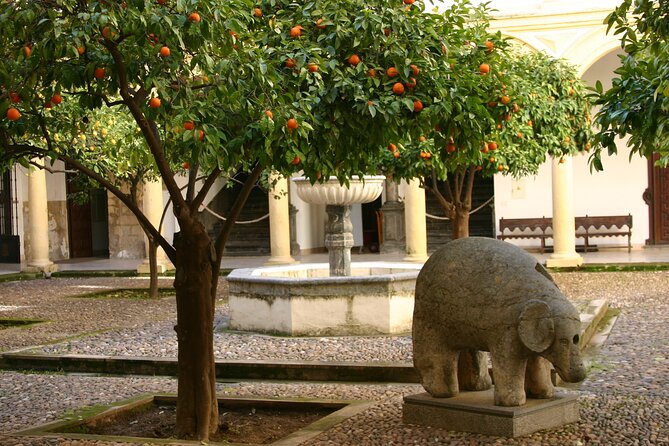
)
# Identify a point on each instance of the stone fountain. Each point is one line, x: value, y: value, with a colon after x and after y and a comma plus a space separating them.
x: 337, y: 298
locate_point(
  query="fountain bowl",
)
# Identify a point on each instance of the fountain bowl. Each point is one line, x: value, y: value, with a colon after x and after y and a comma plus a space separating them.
x: 304, y: 300
x: 332, y: 192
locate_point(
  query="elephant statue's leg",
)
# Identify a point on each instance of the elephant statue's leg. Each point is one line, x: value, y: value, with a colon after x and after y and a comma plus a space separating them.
x: 438, y: 370
x: 538, y: 382
x: 473, y: 370
x: 509, y: 372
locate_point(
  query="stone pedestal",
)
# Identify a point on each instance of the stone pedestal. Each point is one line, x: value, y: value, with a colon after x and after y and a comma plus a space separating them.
x: 295, y: 249
x: 475, y: 412
x: 339, y: 239
x: 393, y: 221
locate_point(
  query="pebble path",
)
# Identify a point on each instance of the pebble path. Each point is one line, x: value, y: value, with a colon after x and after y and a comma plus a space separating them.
x: 624, y: 400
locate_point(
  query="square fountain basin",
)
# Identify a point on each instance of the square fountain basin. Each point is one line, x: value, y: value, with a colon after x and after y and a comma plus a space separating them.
x: 303, y: 300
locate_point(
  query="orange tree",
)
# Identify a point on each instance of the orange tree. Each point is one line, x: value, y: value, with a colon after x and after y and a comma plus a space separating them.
x: 637, y: 104
x: 510, y: 110
x: 211, y: 89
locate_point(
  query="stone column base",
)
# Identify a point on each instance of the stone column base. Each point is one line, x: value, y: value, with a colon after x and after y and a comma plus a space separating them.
x: 415, y: 258
x: 161, y: 267
x: 564, y: 261
x: 281, y: 260
x: 40, y: 267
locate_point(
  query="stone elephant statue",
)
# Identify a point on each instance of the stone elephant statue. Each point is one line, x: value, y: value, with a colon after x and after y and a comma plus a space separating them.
x: 479, y: 294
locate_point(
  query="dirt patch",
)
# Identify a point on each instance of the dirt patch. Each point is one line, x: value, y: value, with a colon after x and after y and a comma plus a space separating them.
x: 236, y: 425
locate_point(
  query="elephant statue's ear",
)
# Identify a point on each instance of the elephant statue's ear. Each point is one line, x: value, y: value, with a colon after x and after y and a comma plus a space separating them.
x: 535, y: 327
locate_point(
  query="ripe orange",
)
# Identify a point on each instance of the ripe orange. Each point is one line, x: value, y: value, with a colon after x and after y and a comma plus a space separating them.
x: 154, y: 102
x: 492, y: 145
x: 571, y: 90
x: 56, y: 99
x: 27, y: 51
x: 519, y: 134
x: 319, y: 24
x: 415, y: 70
x: 492, y: 159
x: 371, y: 72
x: 99, y: 73
x: 81, y: 50
x: 507, y: 117
x: 189, y: 125
x: 392, y: 147
x: 515, y: 108
x: 417, y: 106
x: 354, y: 59
x: 485, y: 148
x: 425, y: 155
x: 492, y: 104
x: 484, y: 68
x: 312, y: 67
x: 161, y: 2
x: 14, y: 97
x: 269, y: 114
x: 295, y: 31
x: 412, y: 83
x: 421, y: 138
x: 194, y: 17
x: 13, y: 114
x: 291, y: 124
x: 398, y: 88
x: 450, y: 148
x: 392, y: 72
x: 479, y: 168
x: 530, y: 123
x: 409, y: 2
x: 290, y: 63
x: 505, y: 99
x: 396, y: 154
x: 165, y: 51
x: 201, y: 135
x: 489, y: 45
x: 106, y: 33
x: 257, y: 12
x: 186, y: 165
x: 501, y: 168
x: 296, y: 160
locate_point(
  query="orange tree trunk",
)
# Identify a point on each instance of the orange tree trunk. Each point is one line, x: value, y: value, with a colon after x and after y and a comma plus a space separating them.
x: 197, y: 408
x: 460, y: 223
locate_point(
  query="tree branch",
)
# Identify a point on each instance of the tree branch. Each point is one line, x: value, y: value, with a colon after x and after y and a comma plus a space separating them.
x: 204, y: 190
x: 151, y: 137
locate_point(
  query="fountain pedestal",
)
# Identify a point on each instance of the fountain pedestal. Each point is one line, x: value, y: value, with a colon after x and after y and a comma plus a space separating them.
x: 339, y: 239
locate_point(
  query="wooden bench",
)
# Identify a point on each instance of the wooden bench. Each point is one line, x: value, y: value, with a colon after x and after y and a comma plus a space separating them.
x: 586, y: 228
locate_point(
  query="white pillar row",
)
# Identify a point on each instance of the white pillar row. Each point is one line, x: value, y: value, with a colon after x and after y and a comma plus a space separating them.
x: 564, y: 225
x: 279, y: 222
x: 415, y: 222
x: 37, y: 257
x: 153, y: 206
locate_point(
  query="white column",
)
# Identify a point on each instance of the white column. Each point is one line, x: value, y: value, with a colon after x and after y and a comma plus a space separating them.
x: 564, y: 227
x: 415, y: 222
x: 152, y: 206
x: 279, y: 222
x: 38, y: 254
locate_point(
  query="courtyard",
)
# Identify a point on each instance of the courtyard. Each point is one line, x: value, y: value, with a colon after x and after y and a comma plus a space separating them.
x: 622, y: 401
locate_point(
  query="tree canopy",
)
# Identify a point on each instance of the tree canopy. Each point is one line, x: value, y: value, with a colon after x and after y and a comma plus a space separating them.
x: 637, y: 104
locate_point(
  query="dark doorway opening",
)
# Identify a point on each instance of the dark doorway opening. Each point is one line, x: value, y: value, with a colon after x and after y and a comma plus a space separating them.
x: 10, y: 251
x: 657, y: 199
x: 371, y: 225
x: 88, y: 221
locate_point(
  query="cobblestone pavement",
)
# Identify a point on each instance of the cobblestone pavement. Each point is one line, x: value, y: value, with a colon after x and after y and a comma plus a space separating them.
x: 623, y: 401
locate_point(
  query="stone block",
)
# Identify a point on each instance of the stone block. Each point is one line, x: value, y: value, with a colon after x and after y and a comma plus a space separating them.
x: 475, y: 412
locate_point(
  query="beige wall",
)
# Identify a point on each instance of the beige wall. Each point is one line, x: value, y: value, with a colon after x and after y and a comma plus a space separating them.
x: 126, y: 237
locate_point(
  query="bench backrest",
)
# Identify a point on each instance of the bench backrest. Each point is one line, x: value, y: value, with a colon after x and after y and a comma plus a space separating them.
x: 525, y: 223
x: 605, y: 222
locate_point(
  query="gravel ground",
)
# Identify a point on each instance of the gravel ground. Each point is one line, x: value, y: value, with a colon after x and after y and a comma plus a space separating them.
x: 624, y: 400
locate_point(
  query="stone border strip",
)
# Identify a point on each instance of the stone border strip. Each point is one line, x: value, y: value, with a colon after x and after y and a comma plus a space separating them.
x: 342, y: 409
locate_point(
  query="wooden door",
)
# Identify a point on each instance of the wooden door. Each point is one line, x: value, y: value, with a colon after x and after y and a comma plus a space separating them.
x: 79, y: 225
x: 657, y: 198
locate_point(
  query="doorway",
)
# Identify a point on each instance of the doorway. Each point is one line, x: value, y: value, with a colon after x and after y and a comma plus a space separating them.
x: 657, y: 199
x: 87, y: 222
